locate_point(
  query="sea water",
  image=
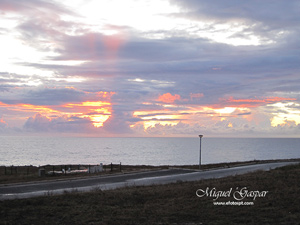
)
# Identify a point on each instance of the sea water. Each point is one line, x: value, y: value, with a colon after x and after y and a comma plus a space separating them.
x: 142, y: 151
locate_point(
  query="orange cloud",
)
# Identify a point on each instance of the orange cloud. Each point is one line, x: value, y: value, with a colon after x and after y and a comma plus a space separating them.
x: 29, y: 108
x: 36, y: 108
x: 97, y: 111
x: 2, y: 122
x: 168, y: 98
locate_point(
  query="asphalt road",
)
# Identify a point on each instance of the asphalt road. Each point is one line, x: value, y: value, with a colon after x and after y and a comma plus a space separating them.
x: 27, y: 190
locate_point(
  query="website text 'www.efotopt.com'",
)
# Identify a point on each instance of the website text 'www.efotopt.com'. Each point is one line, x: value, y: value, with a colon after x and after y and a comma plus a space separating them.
x: 239, y: 203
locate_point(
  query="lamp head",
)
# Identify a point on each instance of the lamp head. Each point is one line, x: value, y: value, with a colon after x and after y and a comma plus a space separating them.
x: 200, y: 136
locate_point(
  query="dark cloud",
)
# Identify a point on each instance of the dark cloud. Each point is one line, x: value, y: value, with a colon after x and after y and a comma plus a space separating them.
x: 40, y: 123
x: 43, y: 96
x: 118, y: 123
x: 244, y: 114
x: 256, y: 11
x: 53, y: 96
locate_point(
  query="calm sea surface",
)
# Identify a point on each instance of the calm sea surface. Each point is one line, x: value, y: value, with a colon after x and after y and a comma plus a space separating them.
x: 138, y: 151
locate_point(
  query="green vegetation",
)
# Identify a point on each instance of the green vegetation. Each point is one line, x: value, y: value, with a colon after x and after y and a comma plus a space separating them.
x: 167, y: 204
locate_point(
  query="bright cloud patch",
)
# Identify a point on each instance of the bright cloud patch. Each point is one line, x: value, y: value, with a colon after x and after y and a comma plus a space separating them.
x: 97, y: 112
x: 285, y: 113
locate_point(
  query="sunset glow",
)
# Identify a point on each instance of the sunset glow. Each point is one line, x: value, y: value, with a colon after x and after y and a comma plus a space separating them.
x: 226, y: 110
x: 173, y: 114
x: 97, y: 112
x: 98, y: 120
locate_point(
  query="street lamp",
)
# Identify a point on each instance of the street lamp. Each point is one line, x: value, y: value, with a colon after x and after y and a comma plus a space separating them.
x: 200, y: 136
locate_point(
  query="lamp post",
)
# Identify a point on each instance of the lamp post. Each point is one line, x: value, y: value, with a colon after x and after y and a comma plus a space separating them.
x: 200, y: 136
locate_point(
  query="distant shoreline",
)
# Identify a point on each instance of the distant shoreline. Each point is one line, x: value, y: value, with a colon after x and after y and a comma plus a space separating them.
x: 19, y: 174
x: 164, y: 165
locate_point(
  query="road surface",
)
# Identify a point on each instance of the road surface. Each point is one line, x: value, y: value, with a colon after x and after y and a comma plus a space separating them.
x: 27, y: 190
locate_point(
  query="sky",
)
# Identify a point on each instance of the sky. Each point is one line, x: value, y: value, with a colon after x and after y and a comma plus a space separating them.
x: 141, y: 68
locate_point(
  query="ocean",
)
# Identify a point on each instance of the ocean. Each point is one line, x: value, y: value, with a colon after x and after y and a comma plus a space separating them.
x: 142, y: 151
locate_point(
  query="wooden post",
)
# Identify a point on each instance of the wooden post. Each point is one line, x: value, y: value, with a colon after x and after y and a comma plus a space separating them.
x: 111, y: 167
x: 120, y: 167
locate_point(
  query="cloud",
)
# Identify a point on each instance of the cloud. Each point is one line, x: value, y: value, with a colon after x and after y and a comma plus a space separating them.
x: 118, y: 123
x: 62, y: 124
x: 196, y: 95
x: 38, y: 123
x: 249, y: 103
x: 3, y: 124
x: 213, y: 55
x: 234, y: 10
x: 32, y: 6
x: 51, y: 96
x: 168, y: 98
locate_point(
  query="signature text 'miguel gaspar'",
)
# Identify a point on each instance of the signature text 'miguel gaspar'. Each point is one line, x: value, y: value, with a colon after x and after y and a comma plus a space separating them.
x: 238, y: 194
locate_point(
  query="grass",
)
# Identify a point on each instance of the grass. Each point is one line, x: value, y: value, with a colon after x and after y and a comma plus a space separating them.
x: 167, y: 204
